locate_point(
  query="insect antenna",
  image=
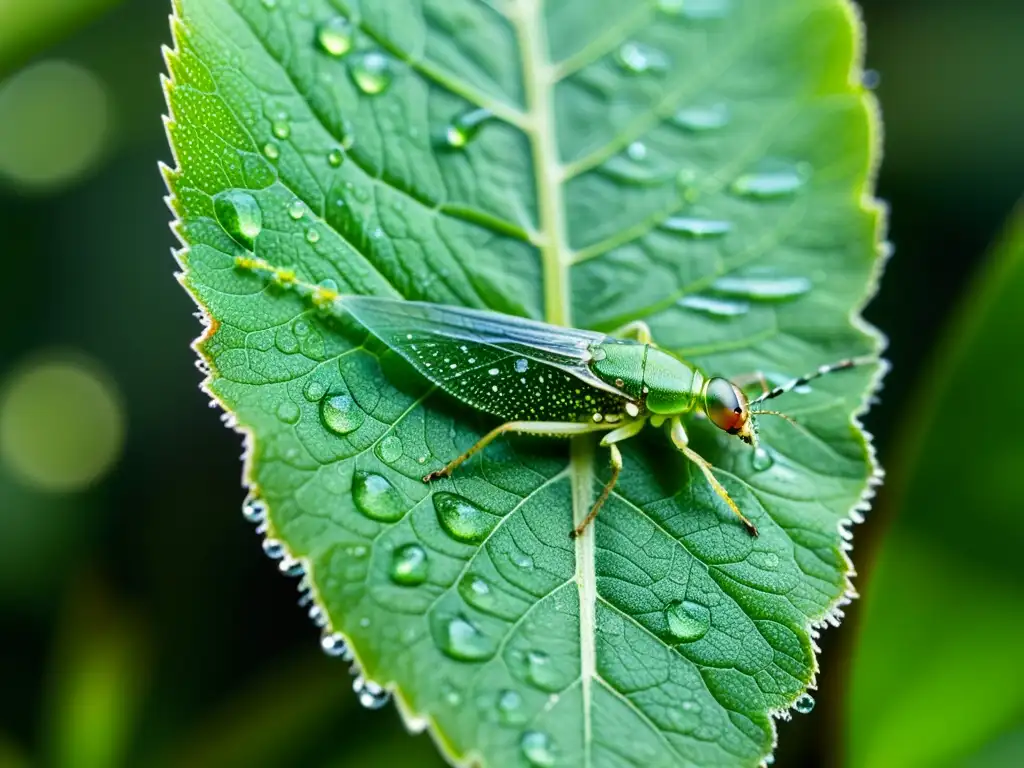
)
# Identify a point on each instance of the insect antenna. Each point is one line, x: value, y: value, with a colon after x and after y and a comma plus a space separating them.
x: 824, y: 370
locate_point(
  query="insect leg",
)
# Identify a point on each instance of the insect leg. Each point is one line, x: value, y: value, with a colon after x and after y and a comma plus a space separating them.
x: 548, y: 428
x: 638, y: 329
x: 681, y: 442
x: 610, y: 440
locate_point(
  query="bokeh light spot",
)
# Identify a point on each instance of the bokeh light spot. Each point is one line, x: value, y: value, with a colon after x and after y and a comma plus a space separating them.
x: 61, y: 423
x: 54, y: 127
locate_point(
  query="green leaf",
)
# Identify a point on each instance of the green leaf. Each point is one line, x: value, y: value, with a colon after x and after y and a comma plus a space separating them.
x: 703, y: 165
x: 945, y: 592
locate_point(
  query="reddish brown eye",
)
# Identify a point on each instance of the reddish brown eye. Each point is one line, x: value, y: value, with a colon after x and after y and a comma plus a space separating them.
x: 725, y: 405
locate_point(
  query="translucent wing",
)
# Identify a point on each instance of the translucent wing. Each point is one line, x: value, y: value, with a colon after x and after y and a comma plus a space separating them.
x: 509, y: 366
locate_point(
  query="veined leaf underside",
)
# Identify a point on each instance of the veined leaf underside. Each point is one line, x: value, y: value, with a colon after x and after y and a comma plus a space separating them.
x: 704, y: 165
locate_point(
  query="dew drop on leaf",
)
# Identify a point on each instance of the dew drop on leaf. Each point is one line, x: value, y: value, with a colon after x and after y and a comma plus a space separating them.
x: 462, y: 519
x: 710, y: 305
x: 369, y: 693
x: 409, y: 565
x: 697, y: 228
x: 340, y: 414
x: 334, y: 36
x: 240, y: 215
x: 371, y: 73
x: 377, y: 498
x: 804, y: 704
x: 462, y: 641
x: 288, y: 412
x: 465, y: 126
x: 687, y: 620
x: 538, y: 749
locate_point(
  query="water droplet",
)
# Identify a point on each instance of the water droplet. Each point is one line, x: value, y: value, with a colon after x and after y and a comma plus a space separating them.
x: 761, y: 460
x: 637, y: 58
x: 296, y: 209
x: 312, y: 236
x: 702, y: 118
x: 390, y: 449
x: 761, y: 287
x: 377, y: 498
x: 371, y: 73
x: 771, y: 180
x: 688, y: 621
x: 281, y: 129
x: 335, y: 158
x: 409, y: 565
x: 462, y: 519
x: 335, y: 36
x: 538, y: 749
x: 766, y: 561
x: 510, y: 708
x: 464, y: 127
x: 464, y: 642
x: 697, y: 228
x: 273, y: 549
x: 240, y: 215
x: 714, y: 307
x: 288, y: 412
x: 314, y: 390
x: 696, y: 10
x: 333, y: 644
x: 254, y: 510
x: 804, y: 704
x: 340, y: 414
x: 271, y: 151
x: 371, y: 695
x: 521, y: 365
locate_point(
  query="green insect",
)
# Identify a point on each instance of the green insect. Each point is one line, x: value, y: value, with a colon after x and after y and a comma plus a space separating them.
x: 544, y: 379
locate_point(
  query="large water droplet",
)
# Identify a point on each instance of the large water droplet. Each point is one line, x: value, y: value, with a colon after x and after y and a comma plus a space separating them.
x: 377, y: 498
x: 340, y: 414
x: 464, y: 642
x: 369, y: 693
x: 464, y: 127
x: 804, y: 704
x: 762, y: 287
x: 637, y: 58
x: 697, y: 227
x: 409, y: 565
x: 240, y: 215
x: 334, y: 36
x: 709, y: 305
x: 371, y: 72
x: 771, y: 180
x: 462, y: 519
x: 510, y: 708
x: 688, y: 621
x: 703, y: 118
x: 538, y: 749
x: 390, y: 449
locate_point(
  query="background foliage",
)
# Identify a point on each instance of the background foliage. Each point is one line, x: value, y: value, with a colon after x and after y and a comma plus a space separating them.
x: 140, y: 622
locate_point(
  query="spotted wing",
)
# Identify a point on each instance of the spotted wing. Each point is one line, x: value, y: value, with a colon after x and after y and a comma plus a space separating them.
x: 515, y: 368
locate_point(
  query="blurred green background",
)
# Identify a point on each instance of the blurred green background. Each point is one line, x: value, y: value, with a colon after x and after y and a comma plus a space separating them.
x: 140, y: 623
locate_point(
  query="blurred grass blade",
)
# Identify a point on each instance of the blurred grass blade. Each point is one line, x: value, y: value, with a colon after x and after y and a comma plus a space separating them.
x: 938, y: 671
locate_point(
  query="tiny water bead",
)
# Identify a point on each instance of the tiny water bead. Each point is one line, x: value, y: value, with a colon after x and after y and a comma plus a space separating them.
x: 288, y: 412
x: 340, y: 414
x: 390, y: 449
x: 462, y: 641
x: 636, y: 58
x: 761, y: 459
x: 240, y: 216
x: 697, y: 228
x: 709, y: 305
x: 333, y: 644
x: 702, y: 118
x: 804, y: 704
x: 687, y: 620
x: 409, y: 565
x: 334, y: 36
x: 772, y: 180
x: 462, y: 519
x: 538, y: 749
x: 762, y: 287
x: 377, y: 498
x: 371, y: 72
x: 370, y: 694
x: 465, y: 126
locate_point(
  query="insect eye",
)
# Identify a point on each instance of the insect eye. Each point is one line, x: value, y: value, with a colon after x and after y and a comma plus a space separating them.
x: 725, y: 405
